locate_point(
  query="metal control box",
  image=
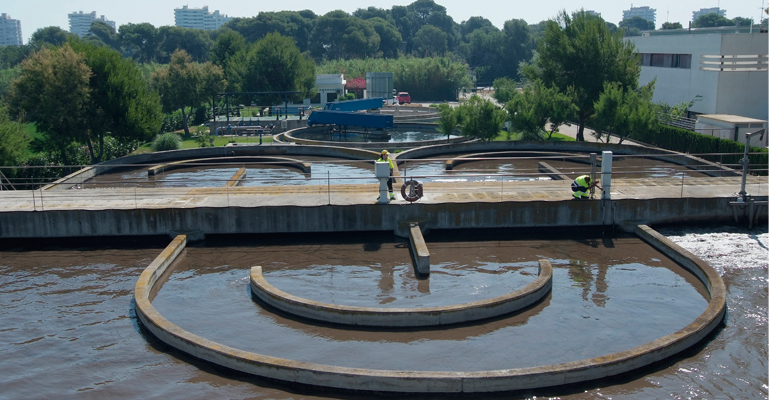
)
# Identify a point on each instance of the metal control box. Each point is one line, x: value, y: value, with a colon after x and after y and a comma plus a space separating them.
x: 382, y: 169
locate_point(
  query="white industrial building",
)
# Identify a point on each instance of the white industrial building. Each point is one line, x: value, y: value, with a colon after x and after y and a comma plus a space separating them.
x: 725, y: 72
x: 330, y: 87
x: 707, y: 11
x: 10, y: 31
x: 199, y: 18
x: 80, y: 22
x: 643, y: 12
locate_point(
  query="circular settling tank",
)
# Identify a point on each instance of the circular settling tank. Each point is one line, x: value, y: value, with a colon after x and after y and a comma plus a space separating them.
x: 323, y: 170
x: 607, y: 297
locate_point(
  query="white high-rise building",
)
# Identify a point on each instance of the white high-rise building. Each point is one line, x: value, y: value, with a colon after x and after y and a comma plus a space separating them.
x: 199, y: 18
x: 644, y: 12
x: 80, y: 23
x: 10, y: 31
x: 707, y: 11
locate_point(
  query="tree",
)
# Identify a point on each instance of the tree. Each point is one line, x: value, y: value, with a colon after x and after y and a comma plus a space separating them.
x: 142, y: 39
x: 52, y: 35
x: 480, y: 118
x: 517, y: 47
x: 638, y: 23
x: 579, y: 52
x: 338, y: 35
x: 13, y: 140
x: 105, y: 33
x: 390, y: 38
x: 447, y: 119
x: 12, y: 56
x: 297, y: 25
x: 671, y: 25
x: 121, y: 104
x: 275, y: 64
x: 711, y: 20
x: 195, y: 42
x: 53, y: 91
x: 374, y: 12
x: 505, y: 89
x: 484, y: 54
x: 228, y: 53
x: 537, y: 105
x: 430, y: 41
x: 187, y: 84
x: 740, y: 21
x: 624, y: 112
x: 474, y: 23
x: 6, y: 77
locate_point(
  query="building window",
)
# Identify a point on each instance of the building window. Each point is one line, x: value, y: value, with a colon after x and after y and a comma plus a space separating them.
x: 666, y: 60
x: 656, y: 60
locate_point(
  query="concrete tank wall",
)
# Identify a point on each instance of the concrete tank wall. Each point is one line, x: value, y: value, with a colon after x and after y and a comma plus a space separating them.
x: 364, y: 217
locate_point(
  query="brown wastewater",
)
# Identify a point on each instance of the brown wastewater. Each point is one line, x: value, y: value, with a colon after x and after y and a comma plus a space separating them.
x: 68, y: 327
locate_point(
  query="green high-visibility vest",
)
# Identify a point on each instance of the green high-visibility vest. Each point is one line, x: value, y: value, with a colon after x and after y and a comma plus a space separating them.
x: 582, y: 181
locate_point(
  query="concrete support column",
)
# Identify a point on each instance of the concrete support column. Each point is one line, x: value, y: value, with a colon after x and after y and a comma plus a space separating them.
x: 606, y: 174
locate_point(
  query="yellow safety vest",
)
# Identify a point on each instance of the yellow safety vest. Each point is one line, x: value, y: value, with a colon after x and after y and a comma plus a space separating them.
x: 581, y: 180
x: 388, y: 160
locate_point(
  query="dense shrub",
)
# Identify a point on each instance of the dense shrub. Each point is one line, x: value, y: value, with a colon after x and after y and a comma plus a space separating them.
x: 167, y: 141
x: 682, y: 140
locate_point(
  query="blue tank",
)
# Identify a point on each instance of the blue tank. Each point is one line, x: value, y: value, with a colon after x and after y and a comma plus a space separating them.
x: 364, y: 120
x: 355, y: 105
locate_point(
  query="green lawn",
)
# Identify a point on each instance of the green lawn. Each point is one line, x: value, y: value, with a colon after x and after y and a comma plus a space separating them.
x: 219, y: 141
x: 556, y: 137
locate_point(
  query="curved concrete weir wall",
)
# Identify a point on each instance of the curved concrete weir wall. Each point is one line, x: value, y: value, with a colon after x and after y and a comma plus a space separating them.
x: 404, y: 317
x: 438, y: 382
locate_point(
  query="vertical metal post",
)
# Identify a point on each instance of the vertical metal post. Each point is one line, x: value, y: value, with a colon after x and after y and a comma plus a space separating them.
x: 227, y: 192
x: 592, y: 160
x: 681, y: 193
x: 329, y: 186
x: 34, y: 204
x: 502, y: 185
x: 42, y: 205
x: 135, y: 203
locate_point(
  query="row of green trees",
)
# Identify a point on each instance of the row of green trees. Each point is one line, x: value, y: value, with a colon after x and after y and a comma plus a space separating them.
x: 420, y: 29
x: 434, y: 78
x: 583, y: 73
x: 88, y: 103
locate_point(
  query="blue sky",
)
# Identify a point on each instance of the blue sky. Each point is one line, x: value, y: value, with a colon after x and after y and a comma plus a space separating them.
x: 39, y: 14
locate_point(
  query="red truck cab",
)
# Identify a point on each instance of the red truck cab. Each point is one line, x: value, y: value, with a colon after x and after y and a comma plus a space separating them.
x: 403, y: 97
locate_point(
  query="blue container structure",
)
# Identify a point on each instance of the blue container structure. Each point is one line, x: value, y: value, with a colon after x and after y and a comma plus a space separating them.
x: 351, y: 119
x: 355, y: 105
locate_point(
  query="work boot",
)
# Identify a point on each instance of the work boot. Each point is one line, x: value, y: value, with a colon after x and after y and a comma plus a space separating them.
x: 392, y: 196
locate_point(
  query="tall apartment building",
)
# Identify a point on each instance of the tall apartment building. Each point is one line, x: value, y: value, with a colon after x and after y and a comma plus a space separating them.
x: 10, y: 31
x: 707, y: 11
x: 80, y: 23
x: 644, y: 12
x: 199, y: 18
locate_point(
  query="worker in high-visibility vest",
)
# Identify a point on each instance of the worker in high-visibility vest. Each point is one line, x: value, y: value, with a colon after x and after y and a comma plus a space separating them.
x: 582, y: 186
x: 384, y: 158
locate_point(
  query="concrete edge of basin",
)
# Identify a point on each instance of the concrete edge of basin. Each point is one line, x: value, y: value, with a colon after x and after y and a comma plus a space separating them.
x: 437, y: 381
x: 404, y: 317
x: 170, y: 166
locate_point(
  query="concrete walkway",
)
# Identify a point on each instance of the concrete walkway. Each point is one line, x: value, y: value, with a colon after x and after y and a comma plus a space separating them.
x: 321, y: 195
